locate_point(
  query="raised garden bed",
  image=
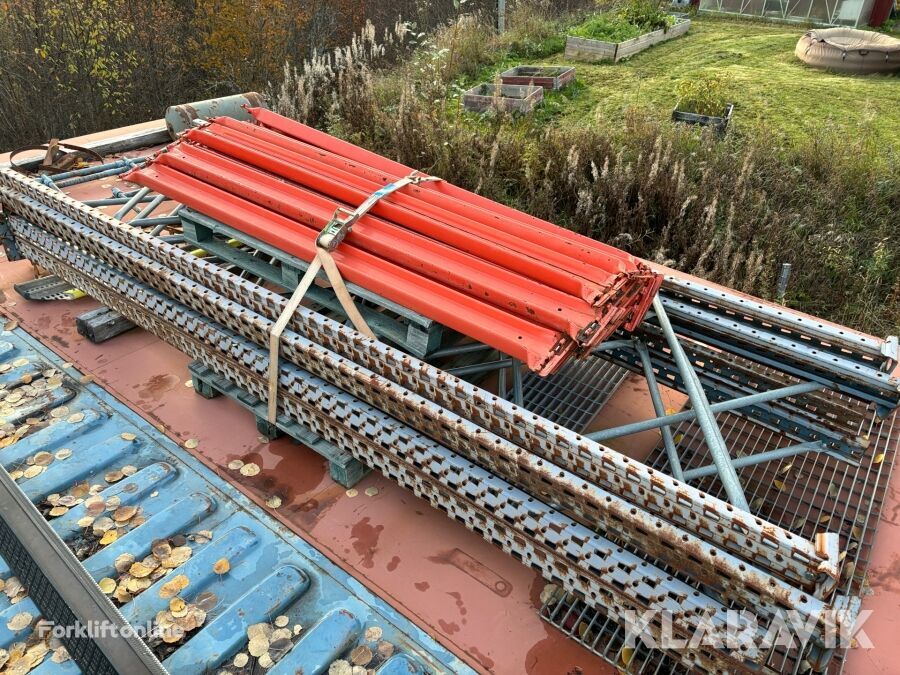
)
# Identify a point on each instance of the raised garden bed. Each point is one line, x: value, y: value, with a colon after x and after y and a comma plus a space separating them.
x: 587, y: 49
x: 508, y: 97
x: 719, y: 123
x: 548, y: 77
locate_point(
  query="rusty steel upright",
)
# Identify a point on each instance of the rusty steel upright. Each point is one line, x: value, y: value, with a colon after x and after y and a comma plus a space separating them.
x: 597, y: 569
x: 800, y: 562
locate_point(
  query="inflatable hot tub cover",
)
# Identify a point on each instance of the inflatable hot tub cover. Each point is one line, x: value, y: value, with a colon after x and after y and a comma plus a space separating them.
x: 849, y: 50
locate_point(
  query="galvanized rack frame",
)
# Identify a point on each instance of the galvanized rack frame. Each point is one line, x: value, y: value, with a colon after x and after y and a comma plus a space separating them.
x: 42, y: 253
x: 473, y: 403
x: 477, y: 498
x: 814, y: 416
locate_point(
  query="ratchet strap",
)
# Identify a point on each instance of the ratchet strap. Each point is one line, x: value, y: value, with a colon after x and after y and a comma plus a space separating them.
x: 328, y: 240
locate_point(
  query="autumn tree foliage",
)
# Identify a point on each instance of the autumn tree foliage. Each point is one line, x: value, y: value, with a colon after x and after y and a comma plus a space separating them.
x: 69, y: 67
x: 239, y: 44
x: 77, y: 65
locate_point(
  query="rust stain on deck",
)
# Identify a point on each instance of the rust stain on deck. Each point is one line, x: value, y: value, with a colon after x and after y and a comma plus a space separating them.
x: 365, y: 540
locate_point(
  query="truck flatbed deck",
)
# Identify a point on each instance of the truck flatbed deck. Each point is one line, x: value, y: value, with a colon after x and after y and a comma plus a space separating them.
x: 477, y: 602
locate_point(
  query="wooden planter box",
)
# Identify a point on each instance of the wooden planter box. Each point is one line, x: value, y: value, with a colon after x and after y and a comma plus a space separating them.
x: 510, y: 97
x: 720, y: 124
x: 585, y: 49
x: 548, y: 77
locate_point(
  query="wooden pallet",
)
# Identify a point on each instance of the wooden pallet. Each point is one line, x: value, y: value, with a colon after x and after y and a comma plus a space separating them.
x: 343, y: 467
x: 393, y: 323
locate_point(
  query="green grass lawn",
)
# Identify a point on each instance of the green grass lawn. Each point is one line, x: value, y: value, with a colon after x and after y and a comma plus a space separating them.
x: 773, y: 91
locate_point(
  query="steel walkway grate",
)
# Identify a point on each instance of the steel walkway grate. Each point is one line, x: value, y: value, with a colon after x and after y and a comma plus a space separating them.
x: 83, y: 458
x: 573, y: 396
x: 801, y: 494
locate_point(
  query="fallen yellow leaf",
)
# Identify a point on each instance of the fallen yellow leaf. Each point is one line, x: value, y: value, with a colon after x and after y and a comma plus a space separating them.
x: 172, y: 588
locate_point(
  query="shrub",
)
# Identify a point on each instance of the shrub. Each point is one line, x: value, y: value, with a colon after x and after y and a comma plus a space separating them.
x: 534, y: 30
x: 607, y: 27
x: 309, y: 93
x: 646, y: 14
x: 702, y: 95
x: 84, y: 65
x: 70, y: 67
x: 630, y: 20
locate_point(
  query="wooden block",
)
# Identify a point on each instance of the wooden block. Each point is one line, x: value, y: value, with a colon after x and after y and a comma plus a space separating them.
x: 348, y: 473
x: 267, y: 429
x: 203, y: 388
x: 195, y: 231
x: 102, y: 324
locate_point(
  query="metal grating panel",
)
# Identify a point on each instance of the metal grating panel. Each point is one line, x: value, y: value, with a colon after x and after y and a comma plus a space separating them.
x: 812, y: 491
x: 47, y: 408
x: 85, y: 652
x: 573, y: 395
x: 604, y: 636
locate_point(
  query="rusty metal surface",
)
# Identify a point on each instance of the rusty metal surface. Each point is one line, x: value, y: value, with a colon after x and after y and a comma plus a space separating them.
x: 583, y: 562
x: 181, y: 117
x: 585, y: 502
x: 55, y: 160
x: 676, y: 502
x: 142, y: 298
